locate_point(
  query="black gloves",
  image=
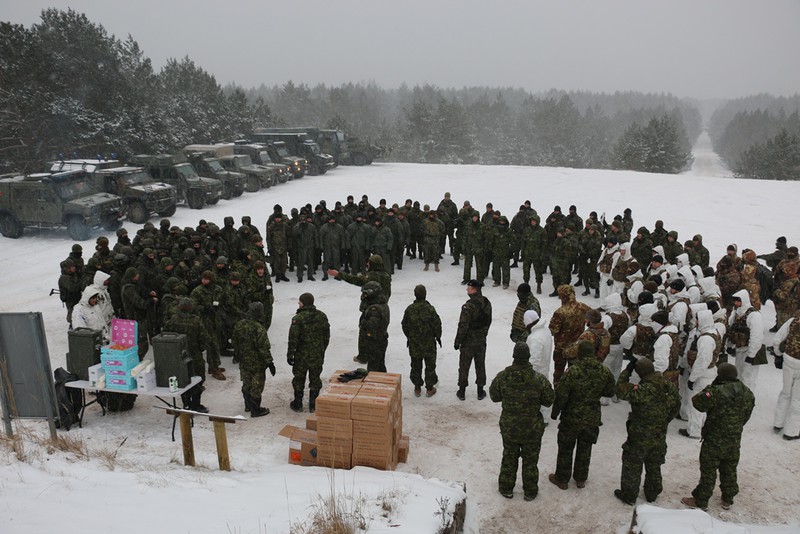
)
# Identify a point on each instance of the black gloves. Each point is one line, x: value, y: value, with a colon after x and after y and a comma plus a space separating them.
x: 610, y: 283
x: 730, y: 351
x: 290, y: 360
x: 778, y: 362
x: 627, y: 354
x: 271, y: 368
x: 439, y: 341
x: 749, y: 360
x: 631, y: 366
x: 690, y: 384
x: 456, y: 346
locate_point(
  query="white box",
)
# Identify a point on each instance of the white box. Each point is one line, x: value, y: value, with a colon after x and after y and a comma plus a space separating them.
x: 96, y: 372
x: 146, y: 381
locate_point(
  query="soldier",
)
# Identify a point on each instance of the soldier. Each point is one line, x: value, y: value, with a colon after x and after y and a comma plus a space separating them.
x: 746, y: 338
x: 616, y: 322
x: 787, y: 411
x: 306, y: 239
x: 423, y: 330
x: 375, y: 272
x: 198, y: 339
x: 595, y: 333
x: 522, y: 392
x: 207, y: 297
x: 641, y: 247
x: 729, y: 280
x: 672, y: 248
x: 540, y: 343
x: 502, y: 246
x: 233, y: 307
x: 533, y: 250
x: 137, y: 307
x: 373, y: 326
x: 701, y: 360
x: 776, y: 257
x: 382, y: 244
x: 76, y: 255
x: 358, y: 242
x: 749, y: 269
x: 787, y: 295
x: 88, y: 313
x: 659, y: 235
x: 401, y: 233
x: 252, y: 345
x: 278, y: 239
x: 519, y: 223
x: 473, y: 327
x: 471, y: 243
x: 577, y: 403
x: 331, y: 236
x: 627, y: 221
x: 560, y: 253
x: 566, y: 326
x: 590, y: 246
x: 415, y: 218
x: 433, y: 231
x: 448, y: 211
x: 654, y: 403
x: 259, y: 289
x: 728, y: 404
x: 526, y: 301
x: 604, y: 266
x: 309, y: 336
x: 69, y: 287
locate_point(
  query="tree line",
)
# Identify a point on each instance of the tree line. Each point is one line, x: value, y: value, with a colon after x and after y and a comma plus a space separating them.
x: 67, y: 87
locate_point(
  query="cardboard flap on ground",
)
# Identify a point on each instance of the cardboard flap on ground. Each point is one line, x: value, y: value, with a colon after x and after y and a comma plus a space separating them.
x: 334, y: 405
x: 302, y: 445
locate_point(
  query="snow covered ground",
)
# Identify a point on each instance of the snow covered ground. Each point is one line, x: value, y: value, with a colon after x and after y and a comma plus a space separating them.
x: 450, y: 440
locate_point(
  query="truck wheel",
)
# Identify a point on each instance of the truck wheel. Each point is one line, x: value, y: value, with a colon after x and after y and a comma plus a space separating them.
x: 112, y: 225
x: 359, y: 159
x: 284, y: 177
x: 213, y: 201
x: 169, y: 212
x: 196, y: 200
x: 237, y: 191
x: 227, y: 191
x: 10, y: 226
x: 137, y: 213
x: 77, y: 228
x: 253, y: 184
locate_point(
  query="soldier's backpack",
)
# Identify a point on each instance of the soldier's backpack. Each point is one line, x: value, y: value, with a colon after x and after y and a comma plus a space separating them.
x: 68, y: 400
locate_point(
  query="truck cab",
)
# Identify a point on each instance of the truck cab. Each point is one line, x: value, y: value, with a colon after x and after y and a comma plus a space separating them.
x: 204, y: 160
x: 176, y: 171
x: 258, y: 176
x: 259, y: 153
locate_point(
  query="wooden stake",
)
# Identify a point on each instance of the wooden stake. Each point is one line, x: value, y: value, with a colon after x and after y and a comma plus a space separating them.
x: 186, y: 439
x: 222, y: 446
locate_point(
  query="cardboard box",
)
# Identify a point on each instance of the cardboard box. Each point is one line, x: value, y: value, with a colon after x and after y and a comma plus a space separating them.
x: 311, y: 422
x: 344, y: 461
x: 121, y: 383
x: 377, y: 389
x: 379, y: 433
x: 96, y: 372
x: 146, y: 381
x: 338, y: 388
x: 402, y: 449
x: 333, y: 432
x: 394, y: 379
x: 382, y: 461
x: 369, y: 408
x: 334, y: 405
x: 335, y: 377
x: 302, y: 445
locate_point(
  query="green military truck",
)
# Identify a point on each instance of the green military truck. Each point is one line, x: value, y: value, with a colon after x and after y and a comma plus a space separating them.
x: 300, y: 145
x: 193, y: 190
x: 141, y: 195
x: 204, y: 159
x: 258, y: 176
x: 63, y: 199
x: 363, y: 152
x: 329, y: 141
x: 259, y: 153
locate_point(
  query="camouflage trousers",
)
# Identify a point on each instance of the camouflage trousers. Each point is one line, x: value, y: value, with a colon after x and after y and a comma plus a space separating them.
x: 358, y: 260
x: 512, y: 452
x: 280, y: 263
x: 634, y: 456
x: 253, y: 380
x: 429, y: 359
x: 432, y: 249
x: 580, y: 442
x: 212, y: 353
x: 539, y: 268
x: 501, y: 270
x: 299, y: 371
x: 561, y: 272
x: 305, y: 262
x: 476, y: 352
x: 468, y: 259
x: 559, y: 363
x: 373, y: 350
x: 717, y: 457
x: 588, y: 273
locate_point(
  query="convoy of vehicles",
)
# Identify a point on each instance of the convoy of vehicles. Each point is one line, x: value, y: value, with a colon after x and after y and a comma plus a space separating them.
x: 204, y: 159
x: 193, y: 190
x: 299, y: 145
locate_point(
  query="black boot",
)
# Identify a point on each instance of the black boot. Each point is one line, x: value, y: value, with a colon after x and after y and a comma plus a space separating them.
x: 297, y: 403
x: 579, y: 283
x: 597, y: 293
x: 255, y: 408
x: 312, y: 400
x: 246, y: 398
x: 586, y: 292
x: 195, y: 399
x: 481, y: 393
x: 460, y: 394
x: 554, y: 293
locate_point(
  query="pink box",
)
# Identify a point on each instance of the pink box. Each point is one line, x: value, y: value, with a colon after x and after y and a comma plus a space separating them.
x: 124, y: 332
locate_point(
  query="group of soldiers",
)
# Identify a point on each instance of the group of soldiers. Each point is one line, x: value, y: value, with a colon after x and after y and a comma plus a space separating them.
x: 665, y: 311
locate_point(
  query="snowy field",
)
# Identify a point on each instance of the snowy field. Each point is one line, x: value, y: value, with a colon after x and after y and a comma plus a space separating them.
x: 150, y: 490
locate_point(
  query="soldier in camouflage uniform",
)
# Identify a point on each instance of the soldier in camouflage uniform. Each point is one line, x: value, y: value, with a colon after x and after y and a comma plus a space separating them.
x: 560, y: 254
x: 233, y: 307
x: 473, y: 327
x: 654, y: 403
x: 448, y: 212
x: 470, y: 239
x: 375, y: 272
x: 306, y: 239
x: 502, y: 252
x: 69, y: 287
x: 383, y: 244
x: 137, y: 304
x: 423, y: 329
x: 252, y: 345
x: 357, y: 243
x: 533, y: 251
x: 373, y: 328
x: 206, y: 298
x: 728, y: 404
x: 259, y: 289
x: 278, y: 238
x: 309, y: 336
x: 786, y: 347
x: 566, y: 326
x: 415, y: 217
x: 590, y: 245
x: 523, y: 392
x: 433, y: 231
x: 331, y: 237
x: 184, y: 321
x: 526, y: 301
x: 578, y: 404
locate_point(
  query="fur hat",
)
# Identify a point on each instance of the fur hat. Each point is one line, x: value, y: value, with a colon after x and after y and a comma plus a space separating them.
x: 521, y: 351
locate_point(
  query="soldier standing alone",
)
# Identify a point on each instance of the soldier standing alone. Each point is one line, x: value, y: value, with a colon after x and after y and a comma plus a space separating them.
x: 473, y: 327
x: 252, y: 345
x: 309, y: 336
x: 423, y: 329
x: 523, y: 392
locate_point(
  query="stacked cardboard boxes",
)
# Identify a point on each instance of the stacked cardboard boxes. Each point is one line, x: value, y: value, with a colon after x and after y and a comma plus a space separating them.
x: 122, y: 356
x: 356, y: 423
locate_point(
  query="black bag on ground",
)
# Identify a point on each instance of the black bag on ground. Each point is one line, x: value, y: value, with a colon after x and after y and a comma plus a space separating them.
x: 68, y: 399
x: 116, y: 402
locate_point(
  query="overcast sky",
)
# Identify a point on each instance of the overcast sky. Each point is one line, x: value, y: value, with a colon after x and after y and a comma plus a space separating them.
x: 698, y: 48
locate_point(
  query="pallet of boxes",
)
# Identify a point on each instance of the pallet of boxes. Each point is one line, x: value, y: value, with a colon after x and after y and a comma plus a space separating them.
x: 359, y: 422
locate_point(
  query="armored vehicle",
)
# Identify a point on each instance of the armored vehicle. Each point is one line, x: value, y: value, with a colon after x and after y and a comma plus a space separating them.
x: 298, y: 144
x: 204, y: 160
x: 64, y: 199
x: 259, y: 153
x: 141, y: 195
x: 330, y: 141
x: 174, y: 170
x: 258, y: 176
x: 363, y: 152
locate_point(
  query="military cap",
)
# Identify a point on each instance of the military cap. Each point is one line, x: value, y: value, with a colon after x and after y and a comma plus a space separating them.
x: 164, y: 223
x: 236, y: 276
x: 102, y: 241
x: 186, y: 304
x: 256, y: 239
x: 166, y: 261
x: 420, y: 292
x: 644, y: 367
x: 593, y: 317
x: 222, y: 260
x: 727, y: 371
x: 121, y: 232
x: 658, y: 258
x: 246, y: 219
x: 616, y: 224
x: 147, y: 251
x: 521, y: 351
x: 67, y: 263
x: 258, y: 264
x: 627, y: 211
x: 376, y: 260
x: 120, y: 259
x: 307, y: 299
x: 645, y: 297
x: 171, y: 283
x: 557, y: 208
x: 148, y: 226
x: 791, y: 252
x: 475, y: 283
x: 208, y: 275
x: 573, y: 208
x: 661, y: 317
x: 77, y: 248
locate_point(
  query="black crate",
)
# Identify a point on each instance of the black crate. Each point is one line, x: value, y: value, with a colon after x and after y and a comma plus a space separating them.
x: 171, y: 357
x: 84, y: 351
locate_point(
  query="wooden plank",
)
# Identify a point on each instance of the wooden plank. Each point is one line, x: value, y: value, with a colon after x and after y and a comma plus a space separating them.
x: 211, y: 416
x: 222, y: 446
x: 186, y: 439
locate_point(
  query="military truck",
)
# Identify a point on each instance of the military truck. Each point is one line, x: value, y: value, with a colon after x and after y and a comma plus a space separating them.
x: 141, y: 195
x: 363, y: 152
x: 259, y: 153
x: 63, y: 199
x: 258, y: 176
x: 298, y: 144
x: 204, y: 160
x: 330, y: 141
x: 176, y: 171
